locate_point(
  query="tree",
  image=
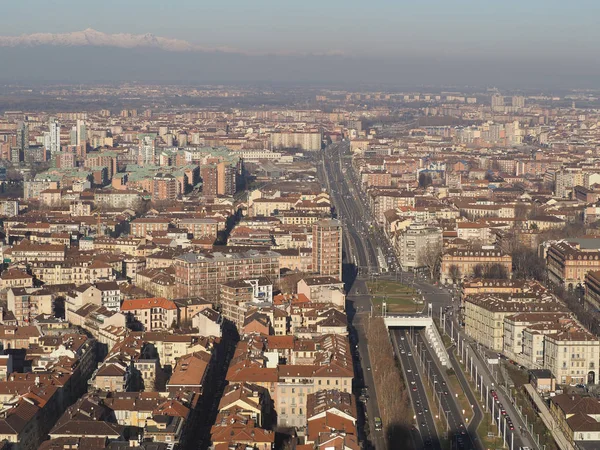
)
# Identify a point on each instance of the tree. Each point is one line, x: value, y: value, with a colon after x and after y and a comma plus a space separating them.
x: 527, y: 263
x: 430, y: 257
x: 521, y: 210
x: 478, y: 270
x: 392, y: 393
x: 454, y: 272
x: 425, y: 179
x: 490, y: 271
x: 495, y: 272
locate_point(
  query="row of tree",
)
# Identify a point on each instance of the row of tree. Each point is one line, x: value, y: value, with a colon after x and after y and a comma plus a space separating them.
x: 392, y: 393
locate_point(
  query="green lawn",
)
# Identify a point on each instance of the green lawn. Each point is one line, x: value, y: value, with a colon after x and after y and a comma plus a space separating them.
x: 399, y: 297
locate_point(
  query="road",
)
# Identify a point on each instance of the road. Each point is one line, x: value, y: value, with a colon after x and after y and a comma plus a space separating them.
x: 363, y: 239
x: 486, y: 379
x: 427, y: 436
x: 356, y: 254
x: 447, y: 400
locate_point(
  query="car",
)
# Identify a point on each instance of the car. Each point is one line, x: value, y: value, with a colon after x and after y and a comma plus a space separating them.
x: 511, y: 427
x: 401, y: 338
x: 445, y: 392
x: 426, y: 410
x: 414, y: 389
x: 423, y: 424
x: 378, y: 424
x: 419, y: 412
x: 402, y: 352
x: 409, y: 354
x: 408, y: 370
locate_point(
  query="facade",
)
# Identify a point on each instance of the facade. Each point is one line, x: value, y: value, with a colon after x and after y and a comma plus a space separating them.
x: 414, y: 241
x: 305, y: 140
x: 166, y: 187
x: 327, y: 248
x: 484, y: 314
x: 573, y: 356
x: 567, y: 264
x: 153, y: 313
x: 467, y: 259
x: 198, y: 274
x: 592, y: 289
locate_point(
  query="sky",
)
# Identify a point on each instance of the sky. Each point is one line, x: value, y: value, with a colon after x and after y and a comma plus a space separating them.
x: 538, y: 29
x: 528, y: 43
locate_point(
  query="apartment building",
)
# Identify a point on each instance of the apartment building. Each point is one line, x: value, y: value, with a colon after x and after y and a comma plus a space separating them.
x: 165, y: 187
x: 143, y: 226
x: 568, y: 263
x: 200, y: 228
x: 572, y: 355
x: 237, y: 296
x: 413, y: 242
x: 201, y: 274
x: 592, y: 289
x: 28, y: 303
x: 12, y: 278
x: 515, y: 326
x: 466, y: 260
x: 304, y: 140
x: 26, y: 251
x: 327, y: 248
x: 153, y: 313
x: 484, y: 314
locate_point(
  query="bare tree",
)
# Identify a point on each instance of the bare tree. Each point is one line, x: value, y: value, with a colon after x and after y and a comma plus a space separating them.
x: 392, y: 393
x: 490, y: 271
x: 431, y: 257
x: 521, y: 210
x: 454, y: 272
x: 496, y: 272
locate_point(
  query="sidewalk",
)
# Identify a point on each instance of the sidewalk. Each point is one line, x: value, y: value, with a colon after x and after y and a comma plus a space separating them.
x: 548, y: 420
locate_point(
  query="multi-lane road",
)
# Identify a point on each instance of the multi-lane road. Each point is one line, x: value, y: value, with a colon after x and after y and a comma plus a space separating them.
x: 495, y: 398
x: 364, y: 241
x: 362, y: 244
x: 425, y: 425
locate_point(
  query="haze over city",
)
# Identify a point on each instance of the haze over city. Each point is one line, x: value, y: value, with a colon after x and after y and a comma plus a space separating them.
x: 331, y: 225
x: 520, y: 44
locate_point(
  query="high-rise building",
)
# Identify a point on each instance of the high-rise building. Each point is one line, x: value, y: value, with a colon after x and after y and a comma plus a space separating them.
x: 23, y: 136
x: 497, y: 102
x: 518, y: 101
x: 210, y: 177
x: 225, y: 179
x: 146, y: 150
x: 81, y: 133
x: 165, y: 187
x: 327, y: 248
x: 52, y: 137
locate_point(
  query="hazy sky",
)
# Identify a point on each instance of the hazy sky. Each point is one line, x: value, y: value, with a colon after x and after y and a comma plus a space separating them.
x: 527, y: 29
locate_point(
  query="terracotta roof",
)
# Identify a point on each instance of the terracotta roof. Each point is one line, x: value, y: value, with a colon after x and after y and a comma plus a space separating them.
x: 147, y: 303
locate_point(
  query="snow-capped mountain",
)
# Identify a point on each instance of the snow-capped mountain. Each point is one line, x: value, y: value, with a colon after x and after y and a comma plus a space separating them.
x: 91, y: 37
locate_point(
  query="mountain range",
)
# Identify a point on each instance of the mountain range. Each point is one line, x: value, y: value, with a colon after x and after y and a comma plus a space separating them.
x: 94, y: 38
x: 94, y: 56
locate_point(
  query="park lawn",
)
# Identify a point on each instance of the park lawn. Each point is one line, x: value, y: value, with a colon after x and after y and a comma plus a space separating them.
x: 398, y: 296
x: 397, y: 305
